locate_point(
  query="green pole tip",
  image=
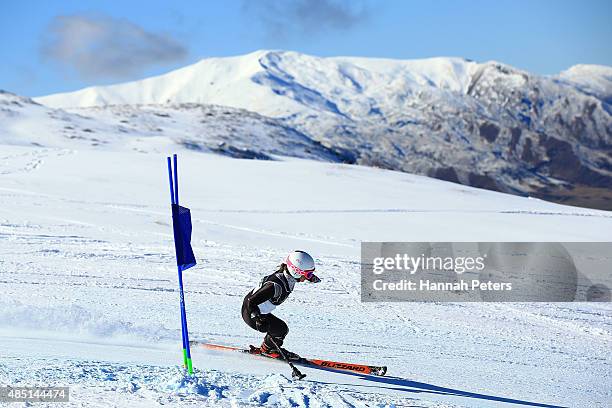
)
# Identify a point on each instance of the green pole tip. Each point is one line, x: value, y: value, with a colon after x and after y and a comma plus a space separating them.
x: 190, y: 366
x: 185, y: 358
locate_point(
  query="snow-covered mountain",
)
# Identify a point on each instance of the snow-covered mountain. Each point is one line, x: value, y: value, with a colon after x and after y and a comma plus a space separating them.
x: 482, y: 124
x: 593, y: 79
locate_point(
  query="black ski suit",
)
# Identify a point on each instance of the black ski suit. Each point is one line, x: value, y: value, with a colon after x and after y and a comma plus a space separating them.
x: 259, y: 302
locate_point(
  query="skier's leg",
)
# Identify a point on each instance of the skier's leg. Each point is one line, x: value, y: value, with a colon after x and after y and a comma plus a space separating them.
x: 246, y: 316
x: 277, y: 330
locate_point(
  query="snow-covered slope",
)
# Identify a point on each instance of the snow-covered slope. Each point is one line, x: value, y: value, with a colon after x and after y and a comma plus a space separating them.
x: 227, y: 131
x: 89, y: 292
x: 483, y: 124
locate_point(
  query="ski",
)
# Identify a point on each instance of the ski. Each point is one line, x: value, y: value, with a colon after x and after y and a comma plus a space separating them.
x: 333, y: 365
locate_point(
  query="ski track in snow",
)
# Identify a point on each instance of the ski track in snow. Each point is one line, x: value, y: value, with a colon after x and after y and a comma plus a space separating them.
x: 90, y: 300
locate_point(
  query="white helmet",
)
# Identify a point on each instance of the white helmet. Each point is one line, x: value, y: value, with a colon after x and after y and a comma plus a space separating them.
x: 299, y: 264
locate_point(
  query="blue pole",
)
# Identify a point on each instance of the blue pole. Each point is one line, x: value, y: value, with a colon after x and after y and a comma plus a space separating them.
x: 185, y: 338
x: 171, y: 181
x: 176, y: 201
x: 187, y: 353
x: 180, y: 275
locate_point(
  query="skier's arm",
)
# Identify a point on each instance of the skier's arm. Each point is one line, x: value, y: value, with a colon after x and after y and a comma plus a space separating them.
x: 264, y: 293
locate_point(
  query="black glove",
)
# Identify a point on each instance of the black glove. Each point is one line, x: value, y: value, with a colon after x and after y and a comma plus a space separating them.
x: 261, y: 322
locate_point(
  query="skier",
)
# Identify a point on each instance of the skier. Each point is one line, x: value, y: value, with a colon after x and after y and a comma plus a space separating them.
x: 271, y: 292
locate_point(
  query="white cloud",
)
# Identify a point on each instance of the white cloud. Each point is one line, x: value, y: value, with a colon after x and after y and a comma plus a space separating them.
x: 281, y: 17
x: 106, y: 47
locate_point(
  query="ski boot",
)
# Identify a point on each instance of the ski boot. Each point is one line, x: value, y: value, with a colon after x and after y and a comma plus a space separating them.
x: 275, y: 353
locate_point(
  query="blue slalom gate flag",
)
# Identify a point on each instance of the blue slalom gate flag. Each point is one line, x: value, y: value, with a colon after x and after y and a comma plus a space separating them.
x: 181, y: 223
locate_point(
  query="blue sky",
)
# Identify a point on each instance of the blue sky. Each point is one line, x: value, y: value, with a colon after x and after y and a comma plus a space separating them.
x: 55, y: 46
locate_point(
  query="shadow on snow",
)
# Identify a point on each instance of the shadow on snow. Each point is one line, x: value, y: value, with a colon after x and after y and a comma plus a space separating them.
x: 405, y: 385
